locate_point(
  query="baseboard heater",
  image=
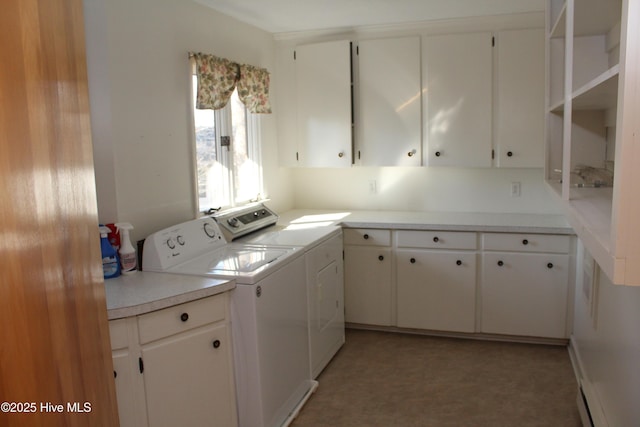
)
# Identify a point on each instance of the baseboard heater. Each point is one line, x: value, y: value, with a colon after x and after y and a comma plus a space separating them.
x: 589, y: 408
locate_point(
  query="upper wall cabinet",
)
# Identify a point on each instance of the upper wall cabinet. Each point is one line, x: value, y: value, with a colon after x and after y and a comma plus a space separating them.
x: 593, y: 104
x: 457, y: 81
x: 519, y: 103
x: 323, y: 95
x: 388, y: 102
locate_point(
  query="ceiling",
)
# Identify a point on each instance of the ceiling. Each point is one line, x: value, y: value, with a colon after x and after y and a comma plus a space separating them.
x: 282, y: 16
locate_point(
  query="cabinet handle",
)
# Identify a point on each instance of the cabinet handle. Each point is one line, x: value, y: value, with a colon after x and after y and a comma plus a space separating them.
x: 435, y: 239
x: 412, y: 260
x: 550, y: 265
x: 216, y: 344
x: 509, y: 153
x: 381, y: 258
x: 438, y: 154
x: 115, y: 374
x: 500, y: 263
x: 184, y: 317
x: 458, y: 262
x: 341, y: 154
x: 525, y: 242
x: 366, y: 237
x: 411, y: 153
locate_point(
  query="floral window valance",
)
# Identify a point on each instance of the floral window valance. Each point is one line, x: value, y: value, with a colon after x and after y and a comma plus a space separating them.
x: 218, y: 77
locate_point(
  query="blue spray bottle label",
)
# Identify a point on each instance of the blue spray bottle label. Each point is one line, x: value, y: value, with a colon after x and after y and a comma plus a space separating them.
x: 110, y: 265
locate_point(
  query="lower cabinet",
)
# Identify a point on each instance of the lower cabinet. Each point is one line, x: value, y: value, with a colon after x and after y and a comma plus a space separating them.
x: 127, y: 378
x: 178, y: 365
x: 457, y: 281
x: 525, y: 294
x: 436, y: 280
x: 367, y: 291
x: 368, y: 279
x: 436, y: 290
x: 525, y: 284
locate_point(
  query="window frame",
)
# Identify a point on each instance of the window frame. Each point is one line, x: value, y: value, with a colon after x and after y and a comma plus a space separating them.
x: 225, y: 155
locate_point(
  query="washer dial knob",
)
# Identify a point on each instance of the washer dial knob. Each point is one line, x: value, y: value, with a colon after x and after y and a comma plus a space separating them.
x: 209, y: 230
x: 171, y: 243
x: 233, y: 222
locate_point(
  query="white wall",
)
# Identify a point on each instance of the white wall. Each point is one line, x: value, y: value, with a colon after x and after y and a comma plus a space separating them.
x: 421, y: 189
x: 139, y: 82
x: 608, y: 349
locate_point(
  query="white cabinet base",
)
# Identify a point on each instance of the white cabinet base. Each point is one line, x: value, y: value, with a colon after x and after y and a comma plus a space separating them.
x: 525, y: 294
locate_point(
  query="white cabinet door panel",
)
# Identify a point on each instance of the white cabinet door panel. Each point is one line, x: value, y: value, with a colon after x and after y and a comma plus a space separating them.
x: 191, y: 369
x: 457, y: 80
x: 367, y: 287
x: 436, y: 290
x: 520, y: 100
x: 389, y: 102
x: 525, y: 294
x: 323, y: 74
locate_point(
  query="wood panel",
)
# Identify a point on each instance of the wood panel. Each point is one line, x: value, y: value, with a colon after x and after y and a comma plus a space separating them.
x: 54, y: 335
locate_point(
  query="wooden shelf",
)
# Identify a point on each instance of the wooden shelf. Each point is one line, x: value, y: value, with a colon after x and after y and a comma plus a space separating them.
x: 555, y: 187
x: 589, y: 213
x: 557, y: 108
x: 595, y: 17
x: 598, y: 94
x: 558, y: 29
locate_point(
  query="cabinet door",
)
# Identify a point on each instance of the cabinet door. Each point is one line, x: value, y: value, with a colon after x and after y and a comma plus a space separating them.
x: 130, y: 404
x: 457, y: 81
x: 389, y: 102
x: 126, y: 373
x: 436, y: 290
x: 520, y: 101
x: 287, y: 111
x: 367, y: 285
x: 188, y: 379
x: 323, y: 74
x: 525, y: 294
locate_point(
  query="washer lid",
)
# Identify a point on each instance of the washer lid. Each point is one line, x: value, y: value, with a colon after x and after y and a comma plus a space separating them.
x: 245, y: 260
x: 232, y: 260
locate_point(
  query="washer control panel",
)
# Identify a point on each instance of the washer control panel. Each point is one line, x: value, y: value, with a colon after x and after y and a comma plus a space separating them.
x: 179, y: 243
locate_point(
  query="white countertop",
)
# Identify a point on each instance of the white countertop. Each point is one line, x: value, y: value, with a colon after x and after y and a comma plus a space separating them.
x: 452, y: 221
x: 147, y: 291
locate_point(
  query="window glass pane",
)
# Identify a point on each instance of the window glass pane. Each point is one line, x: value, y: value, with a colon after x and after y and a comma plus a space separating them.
x: 212, y: 175
x: 227, y: 175
x: 246, y: 168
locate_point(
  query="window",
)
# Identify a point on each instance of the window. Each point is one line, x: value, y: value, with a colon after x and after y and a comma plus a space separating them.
x: 228, y: 166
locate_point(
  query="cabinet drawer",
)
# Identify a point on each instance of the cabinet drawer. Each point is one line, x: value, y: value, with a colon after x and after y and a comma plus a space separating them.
x: 118, y: 334
x: 368, y: 237
x: 180, y: 318
x: 526, y: 242
x: 436, y: 239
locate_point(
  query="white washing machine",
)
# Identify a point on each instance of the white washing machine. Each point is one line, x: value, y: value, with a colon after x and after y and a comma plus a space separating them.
x: 269, y: 318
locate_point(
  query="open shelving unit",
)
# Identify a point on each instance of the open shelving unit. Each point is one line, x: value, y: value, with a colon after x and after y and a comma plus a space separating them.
x: 592, y: 106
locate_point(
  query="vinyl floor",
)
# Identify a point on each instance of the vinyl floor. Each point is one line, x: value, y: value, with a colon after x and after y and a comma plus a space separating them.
x: 391, y: 379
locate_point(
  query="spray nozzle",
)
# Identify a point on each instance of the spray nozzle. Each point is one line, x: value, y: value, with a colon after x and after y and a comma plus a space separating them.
x: 123, y: 226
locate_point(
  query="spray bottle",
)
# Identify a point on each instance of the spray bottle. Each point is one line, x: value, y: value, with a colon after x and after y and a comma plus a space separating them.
x: 110, y: 266
x: 128, y: 258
